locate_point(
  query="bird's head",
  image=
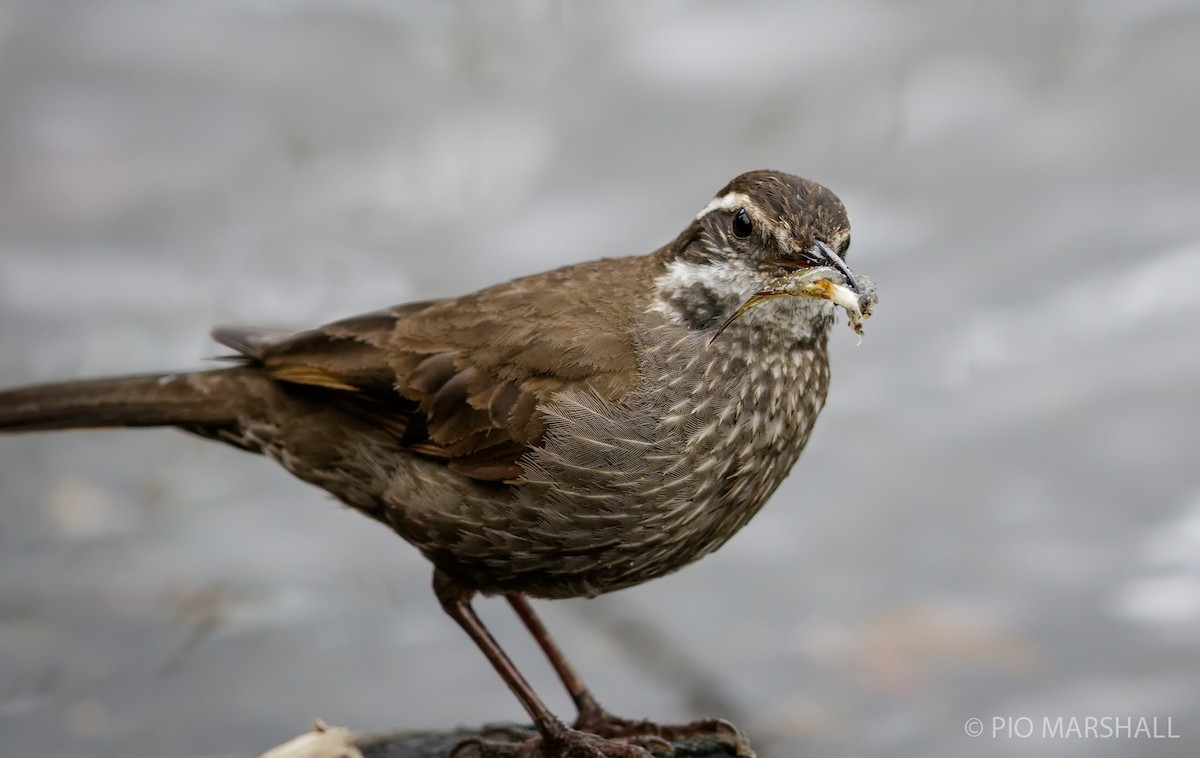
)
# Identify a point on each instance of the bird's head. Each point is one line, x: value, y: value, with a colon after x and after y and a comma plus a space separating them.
x: 765, y: 235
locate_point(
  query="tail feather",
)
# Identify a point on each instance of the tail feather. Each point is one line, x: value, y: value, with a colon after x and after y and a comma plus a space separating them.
x: 197, y: 400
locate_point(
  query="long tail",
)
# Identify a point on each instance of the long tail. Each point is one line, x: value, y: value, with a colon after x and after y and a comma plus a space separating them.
x: 202, y: 400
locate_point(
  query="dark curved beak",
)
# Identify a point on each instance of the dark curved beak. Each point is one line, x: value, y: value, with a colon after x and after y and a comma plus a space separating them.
x: 828, y: 257
x: 821, y: 254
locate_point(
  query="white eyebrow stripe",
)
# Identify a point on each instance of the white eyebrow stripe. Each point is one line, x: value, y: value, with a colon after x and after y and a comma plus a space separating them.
x: 724, y: 203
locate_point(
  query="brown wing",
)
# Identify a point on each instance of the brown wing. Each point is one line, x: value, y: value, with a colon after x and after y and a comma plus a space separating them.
x: 461, y: 380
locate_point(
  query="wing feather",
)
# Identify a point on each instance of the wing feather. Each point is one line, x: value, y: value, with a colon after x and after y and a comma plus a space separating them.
x: 461, y: 381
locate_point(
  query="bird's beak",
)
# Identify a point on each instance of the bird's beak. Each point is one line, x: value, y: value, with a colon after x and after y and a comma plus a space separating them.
x: 828, y: 257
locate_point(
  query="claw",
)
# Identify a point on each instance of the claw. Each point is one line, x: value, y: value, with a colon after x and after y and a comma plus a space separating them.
x: 653, y: 743
x: 569, y: 743
x: 470, y: 742
x: 596, y: 720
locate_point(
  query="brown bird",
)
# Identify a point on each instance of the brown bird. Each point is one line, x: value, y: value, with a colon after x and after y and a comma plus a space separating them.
x: 561, y: 435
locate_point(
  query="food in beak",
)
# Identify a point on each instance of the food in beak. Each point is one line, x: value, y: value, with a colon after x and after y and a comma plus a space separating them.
x: 821, y: 282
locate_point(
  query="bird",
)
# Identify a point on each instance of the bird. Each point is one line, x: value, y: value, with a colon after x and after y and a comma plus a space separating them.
x: 565, y: 434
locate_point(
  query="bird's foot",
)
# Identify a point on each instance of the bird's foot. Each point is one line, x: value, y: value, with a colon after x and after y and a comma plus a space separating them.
x: 561, y: 742
x: 594, y: 719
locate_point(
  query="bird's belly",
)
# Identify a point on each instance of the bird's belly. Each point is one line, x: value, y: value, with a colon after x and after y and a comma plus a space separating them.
x: 619, y: 495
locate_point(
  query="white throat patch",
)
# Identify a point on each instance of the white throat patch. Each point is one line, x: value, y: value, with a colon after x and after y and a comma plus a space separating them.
x: 731, y: 285
x: 733, y: 282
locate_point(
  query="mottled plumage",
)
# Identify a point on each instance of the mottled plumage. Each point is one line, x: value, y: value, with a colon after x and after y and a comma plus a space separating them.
x: 564, y: 434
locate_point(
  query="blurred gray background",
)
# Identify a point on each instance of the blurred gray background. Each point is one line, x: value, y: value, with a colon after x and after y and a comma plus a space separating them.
x: 999, y: 512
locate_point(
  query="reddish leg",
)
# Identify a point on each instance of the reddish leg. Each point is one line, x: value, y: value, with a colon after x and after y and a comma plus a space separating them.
x: 554, y: 737
x: 594, y: 718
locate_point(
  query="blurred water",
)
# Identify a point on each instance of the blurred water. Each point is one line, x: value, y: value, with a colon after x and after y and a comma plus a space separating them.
x: 997, y: 516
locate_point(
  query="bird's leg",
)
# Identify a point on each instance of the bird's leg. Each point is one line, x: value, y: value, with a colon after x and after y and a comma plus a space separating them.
x: 594, y: 718
x: 554, y: 738
x: 584, y: 701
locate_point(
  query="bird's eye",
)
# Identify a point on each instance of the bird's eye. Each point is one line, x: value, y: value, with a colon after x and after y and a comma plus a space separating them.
x: 741, y: 224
